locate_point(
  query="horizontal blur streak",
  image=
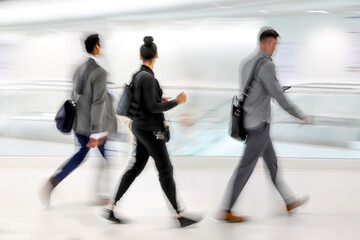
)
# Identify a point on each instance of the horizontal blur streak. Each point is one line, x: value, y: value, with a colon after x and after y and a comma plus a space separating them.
x: 201, y: 46
x: 198, y: 128
x: 16, y: 13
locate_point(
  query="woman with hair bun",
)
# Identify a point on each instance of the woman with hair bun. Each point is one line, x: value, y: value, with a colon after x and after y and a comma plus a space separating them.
x: 149, y: 130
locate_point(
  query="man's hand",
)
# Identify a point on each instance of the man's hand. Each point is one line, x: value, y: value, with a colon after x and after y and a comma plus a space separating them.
x: 305, y: 120
x: 96, y: 142
x: 101, y: 141
x: 92, y: 143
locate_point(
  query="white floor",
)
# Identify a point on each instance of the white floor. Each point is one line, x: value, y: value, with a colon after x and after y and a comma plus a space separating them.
x: 332, y: 213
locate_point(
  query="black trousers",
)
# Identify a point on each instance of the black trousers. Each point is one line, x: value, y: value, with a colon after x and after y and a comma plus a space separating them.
x: 148, y: 146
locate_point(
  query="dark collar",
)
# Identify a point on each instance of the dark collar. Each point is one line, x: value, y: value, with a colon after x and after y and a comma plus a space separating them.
x: 147, y: 69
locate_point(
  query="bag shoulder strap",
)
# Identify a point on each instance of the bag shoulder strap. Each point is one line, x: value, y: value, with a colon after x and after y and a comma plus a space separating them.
x: 135, y: 78
x: 257, y: 65
x: 138, y: 76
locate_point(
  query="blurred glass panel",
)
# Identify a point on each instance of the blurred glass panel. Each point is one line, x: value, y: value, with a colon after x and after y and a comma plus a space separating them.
x: 200, y: 55
x: 198, y: 128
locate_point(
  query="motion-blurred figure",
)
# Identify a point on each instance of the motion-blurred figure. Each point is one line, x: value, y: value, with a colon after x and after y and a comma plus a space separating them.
x: 257, y: 123
x: 149, y: 129
x: 94, y: 118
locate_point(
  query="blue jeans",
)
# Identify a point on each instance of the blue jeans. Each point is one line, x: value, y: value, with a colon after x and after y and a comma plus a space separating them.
x: 63, y: 171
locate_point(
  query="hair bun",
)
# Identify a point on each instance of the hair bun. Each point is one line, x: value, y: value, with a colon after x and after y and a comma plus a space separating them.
x: 148, y: 40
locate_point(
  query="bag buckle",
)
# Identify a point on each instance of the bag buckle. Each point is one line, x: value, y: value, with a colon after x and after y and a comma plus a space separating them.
x: 159, y: 135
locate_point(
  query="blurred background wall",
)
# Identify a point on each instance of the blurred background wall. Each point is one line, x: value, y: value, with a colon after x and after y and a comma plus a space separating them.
x: 201, y: 45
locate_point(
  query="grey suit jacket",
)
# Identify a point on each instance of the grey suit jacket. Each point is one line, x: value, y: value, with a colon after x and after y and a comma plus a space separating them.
x: 94, y: 110
x: 265, y: 86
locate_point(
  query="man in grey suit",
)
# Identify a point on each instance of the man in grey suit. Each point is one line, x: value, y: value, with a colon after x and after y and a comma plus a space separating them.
x: 257, y: 113
x: 94, y: 117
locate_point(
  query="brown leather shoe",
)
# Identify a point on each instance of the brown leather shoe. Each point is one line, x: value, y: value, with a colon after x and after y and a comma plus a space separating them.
x: 297, y: 203
x: 101, y: 201
x: 229, y: 217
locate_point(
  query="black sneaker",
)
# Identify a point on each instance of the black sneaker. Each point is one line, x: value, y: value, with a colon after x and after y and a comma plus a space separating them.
x: 109, y: 215
x: 184, y: 222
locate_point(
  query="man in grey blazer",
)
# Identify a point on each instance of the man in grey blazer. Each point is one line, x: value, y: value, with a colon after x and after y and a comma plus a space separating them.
x: 94, y: 117
x: 257, y: 113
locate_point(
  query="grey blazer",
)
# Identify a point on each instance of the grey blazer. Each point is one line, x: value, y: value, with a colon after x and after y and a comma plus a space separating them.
x: 265, y: 86
x: 94, y: 110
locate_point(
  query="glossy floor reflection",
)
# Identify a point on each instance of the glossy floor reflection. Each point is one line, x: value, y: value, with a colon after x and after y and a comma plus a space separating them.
x: 332, y: 213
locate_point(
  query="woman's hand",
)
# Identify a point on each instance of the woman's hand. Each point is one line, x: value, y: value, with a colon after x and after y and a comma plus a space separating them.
x: 181, y: 98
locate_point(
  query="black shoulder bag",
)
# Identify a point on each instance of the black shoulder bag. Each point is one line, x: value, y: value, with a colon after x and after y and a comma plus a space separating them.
x: 126, y: 97
x: 65, y: 116
x: 236, y: 124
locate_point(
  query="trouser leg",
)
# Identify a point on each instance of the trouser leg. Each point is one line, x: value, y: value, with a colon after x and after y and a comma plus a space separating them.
x: 270, y: 159
x: 62, y: 172
x: 102, y: 180
x: 255, y: 144
x: 136, y: 165
x: 166, y: 178
x: 157, y: 149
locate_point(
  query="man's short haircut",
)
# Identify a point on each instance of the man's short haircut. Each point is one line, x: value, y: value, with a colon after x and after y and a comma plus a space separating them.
x: 91, y: 42
x: 269, y: 33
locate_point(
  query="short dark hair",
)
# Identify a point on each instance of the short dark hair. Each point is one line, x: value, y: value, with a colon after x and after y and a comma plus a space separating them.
x: 270, y: 33
x: 91, y: 42
x: 149, y: 49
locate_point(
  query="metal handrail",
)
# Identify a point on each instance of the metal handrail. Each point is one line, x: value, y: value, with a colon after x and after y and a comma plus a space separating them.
x: 60, y: 86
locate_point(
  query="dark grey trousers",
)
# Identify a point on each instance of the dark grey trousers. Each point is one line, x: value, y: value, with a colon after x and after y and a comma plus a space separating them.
x: 258, y: 144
